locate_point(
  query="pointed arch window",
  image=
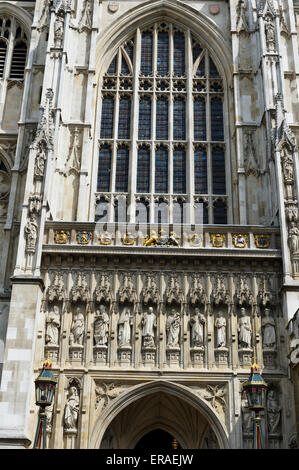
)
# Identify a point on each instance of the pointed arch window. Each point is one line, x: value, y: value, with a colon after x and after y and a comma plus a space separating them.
x: 12, y: 66
x: 163, y: 116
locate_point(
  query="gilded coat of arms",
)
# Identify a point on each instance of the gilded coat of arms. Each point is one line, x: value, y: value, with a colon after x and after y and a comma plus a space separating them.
x: 195, y: 239
x: 106, y: 238
x: 129, y: 239
x: 83, y: 238
x: 218, y: 239
x: 262, y: 241
x: 240, y: 240
x: 61, y: 237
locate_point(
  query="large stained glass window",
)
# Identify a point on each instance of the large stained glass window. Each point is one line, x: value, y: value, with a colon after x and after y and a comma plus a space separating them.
x: 162, y: 126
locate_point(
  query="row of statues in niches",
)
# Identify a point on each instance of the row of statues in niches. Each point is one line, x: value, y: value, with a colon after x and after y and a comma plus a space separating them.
x: 148, y: 328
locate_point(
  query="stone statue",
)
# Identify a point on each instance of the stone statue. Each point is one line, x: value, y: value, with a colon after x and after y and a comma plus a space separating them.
x: 273, y: 412
x: 148, y: 324
x: 197, y: 321
x: 268, y: 325
x: 293, y: 237
x: 40, y: 161
x: 58, y: 30
x: 173, y: 329
x: 220, y: 325
x: 71, y: 411
x: 124, y: 328
x: 77, y: 328
x: 244, y: 329
x: 31, y: 233
x: 52, y: 326
x: 101, y: 326
x: 270, y: 34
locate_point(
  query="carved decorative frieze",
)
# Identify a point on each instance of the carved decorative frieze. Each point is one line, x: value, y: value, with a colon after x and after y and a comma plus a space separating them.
x: 127, y: 291
x: 103, y: 291
x: 56, y: 291
x: 105, y: 393
x: 150, y: 291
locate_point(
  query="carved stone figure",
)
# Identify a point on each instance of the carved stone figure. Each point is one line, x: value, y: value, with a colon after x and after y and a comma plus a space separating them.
x: 86, y: 20
x: 52, y: 326
x: 101, y: 326
x: 58, y: 30
x: 268, y: 325
x: 124, y: 328
x: 247, y: 417
x: 31, y: 233
x: 173, y: 329
x: 197, y: 322
x: 77, y: 328
x: 244, y: 330
x: 71, y: 411
x: 293, y: 237
x: 40, y: 161
x: 273, y: 412
x: 220, y: 325
x: 148, y: 324
x: 270, y: 34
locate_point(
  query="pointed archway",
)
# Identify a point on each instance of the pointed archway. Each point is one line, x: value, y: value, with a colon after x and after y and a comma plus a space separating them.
x: 173, y: 408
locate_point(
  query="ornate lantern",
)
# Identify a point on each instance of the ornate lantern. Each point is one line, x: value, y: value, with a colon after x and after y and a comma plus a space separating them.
x: 44, y: 393
x: 256, y: 389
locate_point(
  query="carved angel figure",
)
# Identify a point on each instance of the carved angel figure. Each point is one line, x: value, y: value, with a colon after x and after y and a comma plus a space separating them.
x: 273, y: 412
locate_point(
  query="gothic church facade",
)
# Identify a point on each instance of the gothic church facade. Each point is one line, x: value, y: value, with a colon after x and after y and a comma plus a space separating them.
x: 149, y: 225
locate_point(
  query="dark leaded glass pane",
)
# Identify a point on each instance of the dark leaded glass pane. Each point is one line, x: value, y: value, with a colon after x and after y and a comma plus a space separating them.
x: 124, y: 118
x: 213, y: 70
x: 220, y: 213
x: 124, y: 67
x: 104, y: 169
x: 218, y: 170
x: 144, y: 128
x: 179, y: 171
x: 179, y: 120
x: 201, y: 213
x: 201, y: 69
x: 107, y: 117
x: 196, y: 51
x: 112, y: 67
x: 163, y: 54
x: 101, y: 212
x: 200, y: 171
x: 200, y: 128
x: 18, y: 61
x: 143, y: 170
x: 122, y: 169
x: 146, y: 53
x: 161, y: 170
x: 179, y: 54
x: 2, y: 57
x: 129, y: 48
x: 217, y: 119
x: 162, y: 119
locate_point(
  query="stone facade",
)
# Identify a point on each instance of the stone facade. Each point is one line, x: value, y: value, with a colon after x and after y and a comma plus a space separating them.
x: 133, y: 318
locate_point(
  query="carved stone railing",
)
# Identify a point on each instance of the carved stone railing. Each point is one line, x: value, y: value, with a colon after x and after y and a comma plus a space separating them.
x: 151, y: 238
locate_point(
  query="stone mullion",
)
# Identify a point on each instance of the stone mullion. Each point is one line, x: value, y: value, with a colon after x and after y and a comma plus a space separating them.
x: 189, y: 130
x: 7, y: 67
x: 114, y: 319
x: 153, y: 123
x: 85, y: 409
x: 161, y: 330
x: 136, y: 334
x: 90, y: 312
x: 134, y: 131
x: 58, y: 412
x: 257, y: 317
x: 170, y: 124
x: 232, y: 354
x: 65, y: 362
x: 209, y: 138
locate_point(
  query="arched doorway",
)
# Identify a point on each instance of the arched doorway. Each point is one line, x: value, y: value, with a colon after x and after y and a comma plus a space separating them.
x: 158, y: 439
x: 155, y: 420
